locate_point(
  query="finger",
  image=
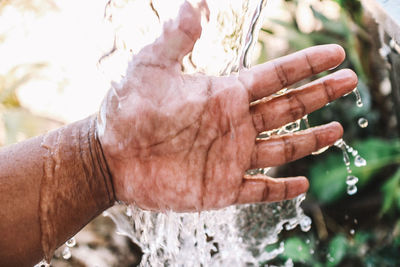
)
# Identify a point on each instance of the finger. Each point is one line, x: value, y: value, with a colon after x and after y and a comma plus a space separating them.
x: 268, y: 78
x: 286, y: 148
x: 278, y: 111
x: 180, y: 35
x: 261, y: 188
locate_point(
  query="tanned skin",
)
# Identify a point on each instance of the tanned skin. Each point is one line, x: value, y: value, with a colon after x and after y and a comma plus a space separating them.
x: 164, y: 140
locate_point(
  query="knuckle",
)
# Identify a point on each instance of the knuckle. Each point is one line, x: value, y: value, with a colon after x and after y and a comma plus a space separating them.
x: 296, y: 108
x: 258, y: 122
x: 281, y: 74
x: 329, y: 92
x: 289, y: 148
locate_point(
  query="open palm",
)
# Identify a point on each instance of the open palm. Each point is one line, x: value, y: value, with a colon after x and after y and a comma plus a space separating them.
x: 184, y: 142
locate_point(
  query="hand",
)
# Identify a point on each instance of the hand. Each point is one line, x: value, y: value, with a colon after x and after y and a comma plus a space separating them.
x: 184, y: 142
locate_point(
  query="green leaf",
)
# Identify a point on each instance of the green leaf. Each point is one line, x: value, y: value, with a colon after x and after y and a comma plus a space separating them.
x: 269, y: 31
x: 391, y: 193
x: 328, y: 176
x: 297, y: 250
x: 337, y: 250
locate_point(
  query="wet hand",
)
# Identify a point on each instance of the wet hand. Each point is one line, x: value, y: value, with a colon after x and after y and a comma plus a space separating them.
x: 184, y: 142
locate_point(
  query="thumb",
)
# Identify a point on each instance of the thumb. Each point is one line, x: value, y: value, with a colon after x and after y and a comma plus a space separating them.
x: 180, y: 35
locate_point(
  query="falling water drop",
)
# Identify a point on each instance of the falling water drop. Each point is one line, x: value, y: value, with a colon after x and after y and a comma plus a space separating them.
x: 359, y: 161
x: 363, y: 122
x: 351, y: 180
x: 305, y: 223
x: 352, y: 231
x: 348, y: 169
x: 351, y: 189
x: 358, y: 97
x: 66, y: 253
x: 354, y: 153
x: 71, y: 242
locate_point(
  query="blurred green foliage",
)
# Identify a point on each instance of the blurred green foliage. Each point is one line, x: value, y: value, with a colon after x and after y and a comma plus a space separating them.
x: 375, y: 239
x: 16, y: 122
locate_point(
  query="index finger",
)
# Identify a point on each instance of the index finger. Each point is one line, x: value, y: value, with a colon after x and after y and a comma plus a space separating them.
x: 272, y: 76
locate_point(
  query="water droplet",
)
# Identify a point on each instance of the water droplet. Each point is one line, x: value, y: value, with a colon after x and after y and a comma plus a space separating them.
x: 348, y: 170
x: 346, y: 217
x: 354, y: 153
x: 352, y: 231
x: 305, y: 223
x: 351, y: 180
x: 308, y: 241
x: 66, y: 253
x: 351, y: 189
x: 300, y: 248
x: 312, y: 251
x: 71, y: 242
x: 355, y: 221
x: 346, y: 158
x: 358, y: 97
x: 362, y: 122
x: 359, y: 161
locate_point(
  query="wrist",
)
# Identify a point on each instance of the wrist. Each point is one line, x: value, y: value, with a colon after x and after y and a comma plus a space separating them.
x: 100, y: 164
x: 76, y: 184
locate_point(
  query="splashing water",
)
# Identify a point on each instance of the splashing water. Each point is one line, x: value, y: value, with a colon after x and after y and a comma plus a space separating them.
x: 351, y: 180
x: 359, y: 161
x: 234, y: 236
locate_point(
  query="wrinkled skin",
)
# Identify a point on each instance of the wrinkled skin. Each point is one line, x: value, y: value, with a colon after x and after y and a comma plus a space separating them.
x: 184, y: 142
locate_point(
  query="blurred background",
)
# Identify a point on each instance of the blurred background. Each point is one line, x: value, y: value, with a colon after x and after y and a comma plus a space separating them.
x: 49, y: 76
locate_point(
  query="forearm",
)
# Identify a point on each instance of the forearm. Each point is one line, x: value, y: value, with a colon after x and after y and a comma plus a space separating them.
x: 50, y: 187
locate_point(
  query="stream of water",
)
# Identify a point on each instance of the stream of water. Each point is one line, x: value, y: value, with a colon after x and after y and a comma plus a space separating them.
x: 237, y: 235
